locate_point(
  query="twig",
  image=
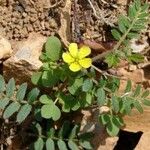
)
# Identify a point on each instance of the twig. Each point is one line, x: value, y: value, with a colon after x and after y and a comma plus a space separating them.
x: 107, y: 74
x: 101, y: 56
x: 97, y: 16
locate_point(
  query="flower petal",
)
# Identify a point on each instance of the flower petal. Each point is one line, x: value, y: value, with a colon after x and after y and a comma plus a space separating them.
x: 75, y: 67
x: 84, y: 51
x: 73, y: 49
x: 67, y: 58
x: 86, y: 62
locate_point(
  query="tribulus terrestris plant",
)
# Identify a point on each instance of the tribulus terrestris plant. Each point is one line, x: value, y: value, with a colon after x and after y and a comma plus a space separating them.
x: 74, y: 83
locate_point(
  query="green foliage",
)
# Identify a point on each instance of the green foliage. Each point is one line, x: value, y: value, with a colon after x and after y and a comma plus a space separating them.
x: 65, y: 91
x: 129, y: 27
x: 53, y: 48
x: 66, y: 138
x: 16, y: 101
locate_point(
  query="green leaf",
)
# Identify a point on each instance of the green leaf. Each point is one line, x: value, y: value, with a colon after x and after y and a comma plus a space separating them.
x: 115, y: 103
x: 102, y: 82
x: 21, y: 92
x: 64, y: 130
x: 132, y: 11
x: 138, y: 27
x: 53, y: 48
x: 137, y: 58
x: 72, y: 145
x: 39, y: 144
x: 89, y: 98
x: 137, y: 91
x: 38, y: 128
x: 61, y: 145
x: 146, y: 102
x: 75, y: 86
x: 87, y: 85
x: 145, y: 94
x: 11, y: 109
x: 37, y: 114
x: 112, y: 129
x: 50, y: 111
x: 116, y: 34
x: 118, y: 121
x: 10, y: 87
x: 140, y: 21
x: 50, y: 145
x: 4, y: 102
x: 143, y: 15
x: 69, y: 103
x: 126, y: 105
x: 74, y: 132
x: 50, y: 78
x: 132, y: 35
x: 51, y: 133
x: 36, y: 78
x: 46, y: 112
x: 137, y: 4
x: 101, y: 98
x: 104, y: 118
x: 87, y: 136
x: 128, y: 86
x: 121, y: 23
x: 44, y: 57
x: 125, y: 21
x: 138, y: 106
x: 86, y: 144
x: 32, y: 95
x: 45, y: 99
x: 145, y: 7
x: 23, y: 112
x: 2, y: 84
x: 112, y: 60
x: 113, y: 84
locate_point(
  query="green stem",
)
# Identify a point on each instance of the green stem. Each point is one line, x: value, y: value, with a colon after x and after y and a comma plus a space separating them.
x: 116, y: 47
x: 56, y: 100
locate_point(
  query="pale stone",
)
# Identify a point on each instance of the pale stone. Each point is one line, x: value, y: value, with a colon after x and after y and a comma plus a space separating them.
x: 137, y: 48
x: 122, y: 2
x: 26, y: 59
x: 5, y: 48
x: 144, y: 142
x: 138, y: 122
x: 132, y: 67
x: 136, y: 76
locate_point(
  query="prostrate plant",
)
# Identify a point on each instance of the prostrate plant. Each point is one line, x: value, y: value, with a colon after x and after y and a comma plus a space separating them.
x: 72, y: 83
x: 129, y: 27
x: 16, y: 101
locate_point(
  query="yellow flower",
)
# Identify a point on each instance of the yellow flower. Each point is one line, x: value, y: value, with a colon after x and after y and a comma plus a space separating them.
x: 76, y: 57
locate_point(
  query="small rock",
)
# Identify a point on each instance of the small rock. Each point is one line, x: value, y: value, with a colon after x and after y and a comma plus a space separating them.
x: 132, y: 67
x: 5, y: 48
x: 137, y: 76
x: 122, y: 2
x: 144, y: 142
x: 137, y: 46
x: 26, y: 60
x: 138, y: 122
